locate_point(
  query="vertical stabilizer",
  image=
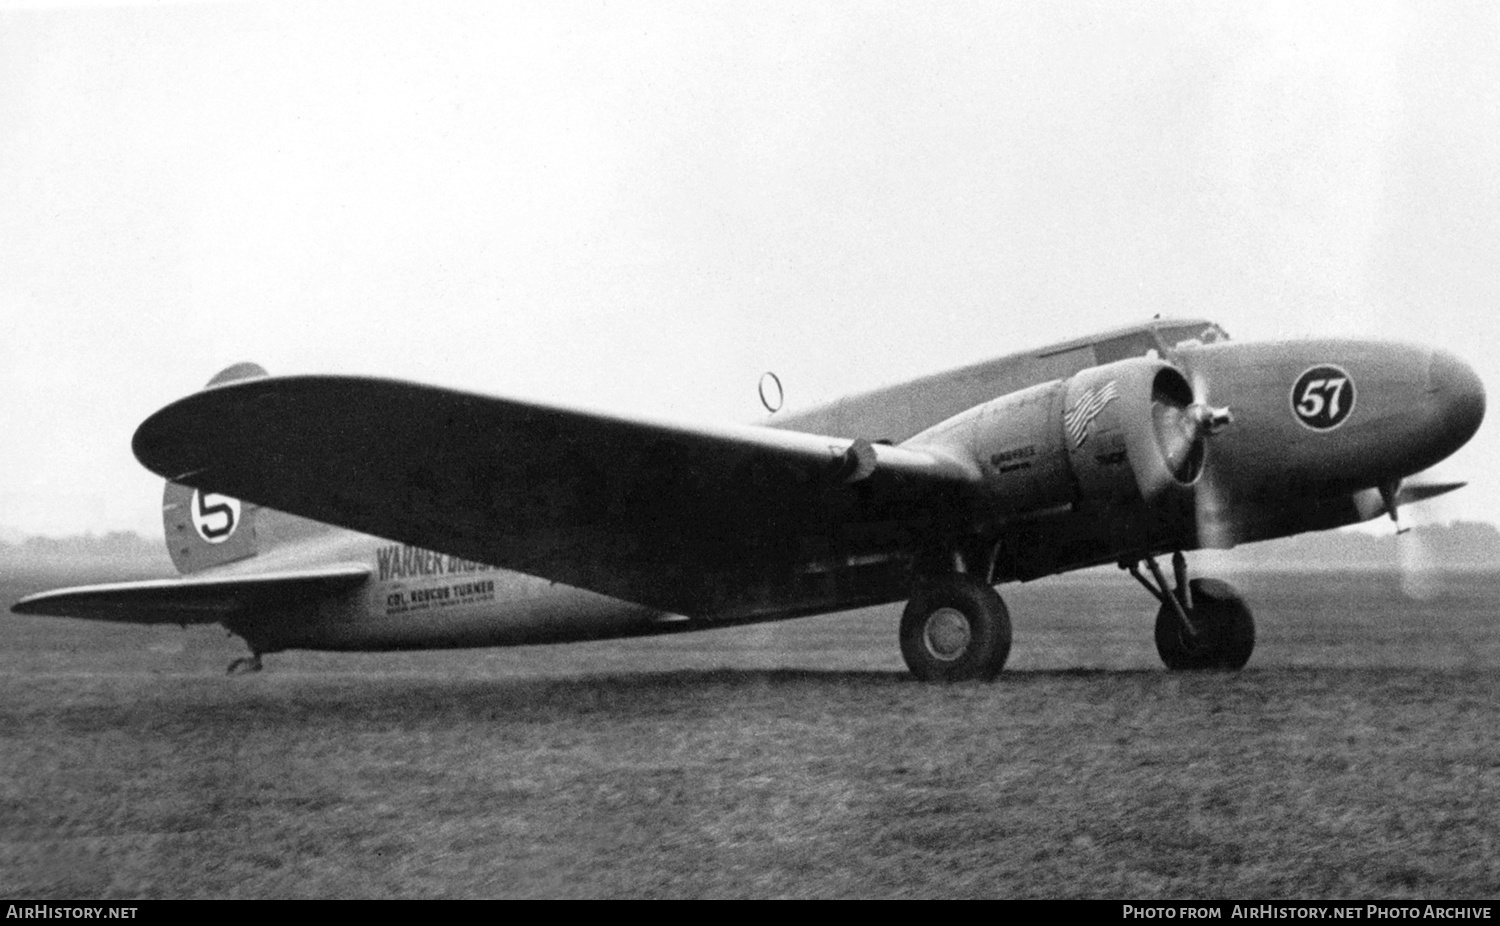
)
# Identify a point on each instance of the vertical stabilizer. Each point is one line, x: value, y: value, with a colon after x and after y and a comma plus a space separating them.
x: 206, y: 529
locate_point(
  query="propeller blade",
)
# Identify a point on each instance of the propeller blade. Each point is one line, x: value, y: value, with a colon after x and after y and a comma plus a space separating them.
x: 1200, y: 388
x: 1212, y: 513
x: 1421, y: 572
x: 1411, y: 493
x: 1210, y: 509
x: 1423, y: 576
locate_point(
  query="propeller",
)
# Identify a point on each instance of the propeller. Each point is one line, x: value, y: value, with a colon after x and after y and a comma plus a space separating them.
x: 1185, y: 419
x: 1421, y: 572
x: 1211, y: 420
x: 1182, y: 424
x: 1209, y: 510
x: 1420, y: 567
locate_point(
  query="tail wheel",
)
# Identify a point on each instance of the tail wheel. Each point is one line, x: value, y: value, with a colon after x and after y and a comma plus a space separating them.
x: 955, y: 629
x: 1225, y: 628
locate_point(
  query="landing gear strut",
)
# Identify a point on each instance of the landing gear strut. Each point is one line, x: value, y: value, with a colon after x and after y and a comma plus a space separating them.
x: 955, y: 628
x: 1202, y: 623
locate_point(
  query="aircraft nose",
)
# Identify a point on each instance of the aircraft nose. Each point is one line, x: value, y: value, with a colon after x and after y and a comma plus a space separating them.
x: 1459, y: 393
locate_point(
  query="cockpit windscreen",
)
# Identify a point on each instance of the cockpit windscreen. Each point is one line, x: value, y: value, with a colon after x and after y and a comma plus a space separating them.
x: 1191, y: 335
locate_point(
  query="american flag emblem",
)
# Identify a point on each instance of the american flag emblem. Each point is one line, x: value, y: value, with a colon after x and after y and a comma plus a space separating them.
x: 1077, y: 419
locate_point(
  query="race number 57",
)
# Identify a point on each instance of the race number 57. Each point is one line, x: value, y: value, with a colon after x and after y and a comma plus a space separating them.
x: 1323, y: 397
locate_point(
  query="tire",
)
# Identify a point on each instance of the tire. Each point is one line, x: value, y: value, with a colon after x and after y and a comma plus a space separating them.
x: 955, y: 629
x: 1226, y: 630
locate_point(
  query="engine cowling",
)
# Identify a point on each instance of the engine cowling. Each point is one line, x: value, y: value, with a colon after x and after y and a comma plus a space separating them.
x: 1117, y: 434
x: 1130, y: 433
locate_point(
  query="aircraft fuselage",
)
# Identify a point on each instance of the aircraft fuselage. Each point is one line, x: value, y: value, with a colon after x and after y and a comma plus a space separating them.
x: 1318, y: 427
x: 420, y: 599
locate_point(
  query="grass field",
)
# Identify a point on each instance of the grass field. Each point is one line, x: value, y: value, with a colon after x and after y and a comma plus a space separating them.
x: 1357, y: 756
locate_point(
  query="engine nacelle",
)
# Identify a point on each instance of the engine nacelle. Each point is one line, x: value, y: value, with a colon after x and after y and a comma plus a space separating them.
x: 1129, y: 432
x: 1109, y: 435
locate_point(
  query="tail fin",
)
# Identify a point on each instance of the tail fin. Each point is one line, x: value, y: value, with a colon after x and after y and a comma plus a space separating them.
x: 205, y: 529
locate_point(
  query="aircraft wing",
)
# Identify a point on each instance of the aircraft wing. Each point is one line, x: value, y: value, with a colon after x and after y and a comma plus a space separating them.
x: 649, y: 511
x: 192, y: 601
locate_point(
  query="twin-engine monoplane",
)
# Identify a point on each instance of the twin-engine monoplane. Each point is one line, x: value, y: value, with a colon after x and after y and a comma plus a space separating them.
x: 342, y: 513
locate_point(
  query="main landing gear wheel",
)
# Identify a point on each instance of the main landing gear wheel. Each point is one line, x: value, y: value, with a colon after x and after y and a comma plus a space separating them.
x: 955, y: 629
x: 1225, y: 629
x: 1202, y: 624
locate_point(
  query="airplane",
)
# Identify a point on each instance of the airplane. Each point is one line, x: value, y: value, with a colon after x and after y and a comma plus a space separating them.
x: 354, y: 513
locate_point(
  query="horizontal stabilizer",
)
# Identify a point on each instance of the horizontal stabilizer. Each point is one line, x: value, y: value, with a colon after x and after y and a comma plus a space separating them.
x: 193, y: 601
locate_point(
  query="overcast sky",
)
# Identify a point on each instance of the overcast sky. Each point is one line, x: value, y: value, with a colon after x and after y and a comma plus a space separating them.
x: 644, y: 205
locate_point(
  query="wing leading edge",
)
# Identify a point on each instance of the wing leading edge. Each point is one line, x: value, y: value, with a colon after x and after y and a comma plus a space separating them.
x: 659, y: 513
x: 193, y: 601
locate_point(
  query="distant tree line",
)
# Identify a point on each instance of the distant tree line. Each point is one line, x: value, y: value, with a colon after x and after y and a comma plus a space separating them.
x: 113, y: 545
x: 1460, y: 545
